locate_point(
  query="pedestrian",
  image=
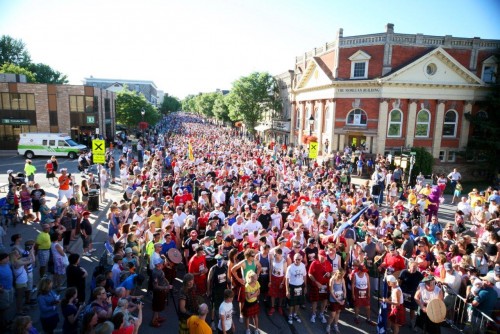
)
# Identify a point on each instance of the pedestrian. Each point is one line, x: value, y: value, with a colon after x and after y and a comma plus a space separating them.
x: 36, y: 195
x: 251, y: 307
x: 337, y: 298
x: 86, y: 234
x: 197, y: 323
x: 226, y: 323
x: 397, y: 315
x: 188, y: 304
x: 295, y: 287
x: 217, y: 283
x: 65, y: 185
x: 104, y: 184
x: 25, y: 197
x: 161, y: 287
x: 48, y: 302
x: 30, y: 171
x: 42, y: 247
x: 361, y: 291
x: 50, y: 172
x: 76, y: 276
x: 71, y: 310
x: 319, y: 275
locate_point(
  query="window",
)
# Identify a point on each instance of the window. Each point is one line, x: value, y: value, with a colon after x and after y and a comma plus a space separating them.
x: 451, y: 156
x: 76, y: 103
x: 442, y: 156
x: 450, y: 124
x: 489, y: 72
x: 357, y: 117
x: 359, y: 65
x: 61, y: 143
x: 52, y: 142
x: 423, y: 123
x: 298, y: 119
x: 316, y: 120
x: 89, y: 104
x: 395, y: 123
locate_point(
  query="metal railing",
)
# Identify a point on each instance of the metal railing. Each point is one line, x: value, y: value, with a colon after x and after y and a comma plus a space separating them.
x: 465, y: 318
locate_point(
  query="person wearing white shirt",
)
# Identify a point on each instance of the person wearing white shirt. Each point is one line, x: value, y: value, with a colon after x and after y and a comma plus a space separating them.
x: 253, y: 224
x: 295, y: 288
x: 238, y: 228
x: 326, y: 216
x: 465, y: 207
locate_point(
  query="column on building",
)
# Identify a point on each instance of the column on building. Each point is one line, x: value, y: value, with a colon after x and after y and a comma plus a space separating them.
x: 438, y: 129
x: 330, y: 128
x: 464, y: 129
x: 293, y: 120
x: 320, y: 114
x: 410, y: 123
x: 382, y: 126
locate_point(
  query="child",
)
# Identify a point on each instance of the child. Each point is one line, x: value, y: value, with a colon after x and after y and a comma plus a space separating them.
x: 226, y: 324
x: 251, y: 307
x: 457, y: 192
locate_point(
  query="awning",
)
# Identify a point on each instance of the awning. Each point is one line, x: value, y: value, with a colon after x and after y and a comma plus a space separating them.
x: 262, y: 128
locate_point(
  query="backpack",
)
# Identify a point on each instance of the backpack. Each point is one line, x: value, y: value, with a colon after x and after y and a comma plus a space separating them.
x: 88, y: 309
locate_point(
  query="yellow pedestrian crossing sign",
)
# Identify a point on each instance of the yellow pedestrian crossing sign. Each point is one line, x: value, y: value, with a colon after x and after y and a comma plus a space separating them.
x: 99, y: 158
x: 98, y: 147
x: 313, y: 150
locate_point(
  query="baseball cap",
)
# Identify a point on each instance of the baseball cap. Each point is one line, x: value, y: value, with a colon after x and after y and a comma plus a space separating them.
x: 490, y: 279
x: 218, y: 257
x: 391, y: 279
x: 128, y: 250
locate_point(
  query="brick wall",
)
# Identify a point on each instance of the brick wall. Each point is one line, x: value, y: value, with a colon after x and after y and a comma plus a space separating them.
x: 376, y: 53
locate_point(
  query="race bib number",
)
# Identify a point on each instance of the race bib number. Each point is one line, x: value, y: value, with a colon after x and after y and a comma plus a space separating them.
x: 406, y: 297
x: 221, y: 278
x: 276, y: 272
x: 264, y: 271
x: 339, y: 295
x: 297, y: 291
x: 361, y: 294
x: 323, y: 289
x: 194, y: 247
x: 369, y: 263
x: 201, y: 267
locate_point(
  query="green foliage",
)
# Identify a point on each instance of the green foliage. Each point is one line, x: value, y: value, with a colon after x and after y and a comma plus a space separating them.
x: 251, y: 97
x: 205, y: 103
x: 170, y: 104
x: 128, y: 109
x: 15, y: 69
x: 424, y: 161
x: 220, y: 109
x: 13, y: 51
x: 45, y: 74
x: 189, y: 104
x: 484, y: 131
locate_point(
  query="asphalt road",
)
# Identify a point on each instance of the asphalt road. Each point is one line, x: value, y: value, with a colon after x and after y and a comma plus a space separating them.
x: 268, y: 324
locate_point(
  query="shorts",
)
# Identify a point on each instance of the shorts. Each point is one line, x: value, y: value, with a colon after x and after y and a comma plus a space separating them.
x: 86, y: 241
x: 296, y: 295
x: 31, y: 177
x: 251, y: 309
x: 398, y: 315
x: 159, y: 300
x: 315, y: 295
x: 335, y: 307
x: 43, y: 257
x: 277, y: 290
x: 457, y: 193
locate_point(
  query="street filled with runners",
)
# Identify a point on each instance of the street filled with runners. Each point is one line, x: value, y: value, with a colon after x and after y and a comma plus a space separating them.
x: 249, y: 228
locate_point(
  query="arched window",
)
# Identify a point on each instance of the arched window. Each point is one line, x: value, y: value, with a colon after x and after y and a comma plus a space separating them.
x: 357, y: 117
x: 395, y: 123
x: 423, y: 123
x: 450, y: 124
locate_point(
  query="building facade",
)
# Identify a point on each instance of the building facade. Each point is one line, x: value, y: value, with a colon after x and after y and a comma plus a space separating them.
x: 145, y: 87
x: 80, y: 111
x: 387, y: 92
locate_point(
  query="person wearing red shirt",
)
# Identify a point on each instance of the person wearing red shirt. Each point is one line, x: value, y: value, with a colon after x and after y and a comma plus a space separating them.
x: 393, y: 260
x: 198, y: 267
x: 319, y: 275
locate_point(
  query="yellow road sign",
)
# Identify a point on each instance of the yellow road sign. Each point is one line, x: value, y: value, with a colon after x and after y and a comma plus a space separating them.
x: 98, y: 146
x: 313, y: 150
x: 99, y: 158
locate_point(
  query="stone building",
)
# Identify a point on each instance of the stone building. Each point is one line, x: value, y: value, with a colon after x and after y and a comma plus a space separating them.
x: 80, y: 111
x: 389, y: 91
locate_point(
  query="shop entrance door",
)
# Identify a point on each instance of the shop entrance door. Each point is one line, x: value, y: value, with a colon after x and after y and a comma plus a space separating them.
x: 356, y: 141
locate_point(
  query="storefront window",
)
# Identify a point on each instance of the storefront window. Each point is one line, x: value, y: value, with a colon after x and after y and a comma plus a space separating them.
x: 76, y: 103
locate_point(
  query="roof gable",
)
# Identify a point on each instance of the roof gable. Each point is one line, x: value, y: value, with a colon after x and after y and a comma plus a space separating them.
x: 316, y: 74
x: 436, y: 67
x: 359, y: 56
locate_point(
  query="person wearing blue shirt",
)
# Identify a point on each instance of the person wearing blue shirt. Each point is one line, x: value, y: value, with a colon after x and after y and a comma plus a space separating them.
x: 6, y: 290
x: 485, y: 300
x: 132, y: 282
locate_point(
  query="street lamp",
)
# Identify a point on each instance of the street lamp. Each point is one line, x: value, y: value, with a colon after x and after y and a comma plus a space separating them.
x: 143, y: 112
x: 311, y: 123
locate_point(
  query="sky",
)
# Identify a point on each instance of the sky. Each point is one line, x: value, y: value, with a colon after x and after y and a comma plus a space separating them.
x: 192, y: 46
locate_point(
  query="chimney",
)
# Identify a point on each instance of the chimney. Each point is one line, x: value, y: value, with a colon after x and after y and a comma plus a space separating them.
x: 389, y: 27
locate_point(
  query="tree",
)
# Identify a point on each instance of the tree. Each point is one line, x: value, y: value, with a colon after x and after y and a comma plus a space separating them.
x: 13, y: 51
x: 170, y: 104
x: 220, y: 109
x: 45, y: 74
x: 15, y: 69
x: 128, y: 109
x: 250, y: 97
x: 189, y: 103
x: 423, y: 161
x: 485, y: 127
x: 205, y: 103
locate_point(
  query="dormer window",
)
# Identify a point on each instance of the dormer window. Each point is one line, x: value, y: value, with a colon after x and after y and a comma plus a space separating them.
x: 359, y: 65
x: 489, y: 72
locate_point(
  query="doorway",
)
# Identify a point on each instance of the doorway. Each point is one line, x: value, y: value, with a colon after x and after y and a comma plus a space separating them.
x: 356, y: 141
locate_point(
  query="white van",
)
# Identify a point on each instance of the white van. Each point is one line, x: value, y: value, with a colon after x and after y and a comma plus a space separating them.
x: 48, y: 144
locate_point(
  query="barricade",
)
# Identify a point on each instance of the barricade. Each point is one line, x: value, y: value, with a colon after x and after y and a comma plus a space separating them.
x: 462, y: 316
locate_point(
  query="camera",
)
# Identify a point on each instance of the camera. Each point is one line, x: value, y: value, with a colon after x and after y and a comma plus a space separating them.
x: 136, y: 301
x: 108, y: 294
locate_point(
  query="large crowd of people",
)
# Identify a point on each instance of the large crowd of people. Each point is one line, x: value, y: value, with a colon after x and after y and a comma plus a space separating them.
x: 251, y: 229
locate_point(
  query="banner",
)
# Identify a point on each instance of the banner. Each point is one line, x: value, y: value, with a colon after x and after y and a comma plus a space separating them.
x: 190, y: 152
x: 313, y: 150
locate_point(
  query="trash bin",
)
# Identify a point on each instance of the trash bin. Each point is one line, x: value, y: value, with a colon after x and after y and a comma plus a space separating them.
x: 93, y: 204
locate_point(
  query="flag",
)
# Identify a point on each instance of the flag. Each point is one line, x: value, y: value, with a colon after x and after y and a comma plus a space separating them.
x: 351, y: 221
x: 382, y: 312
x: 190, y: 152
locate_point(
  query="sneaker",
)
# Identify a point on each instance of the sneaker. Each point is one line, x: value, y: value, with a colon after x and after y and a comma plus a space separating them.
x: 280, y: 310
x: 290, y: 319
x: 213, y: 327
x: 256, y: 331
x: 336, y: 328
x: 369, y: 322
x: 92, y: 250
x: 296, y: 318
x: 86, y: 254
x: 313, y: 318
x: 248, y: 331
x: 271, y: 311
x: 328, y: 329
x: 356, y: 321
x: 323, y: 319
x: 241, y: 319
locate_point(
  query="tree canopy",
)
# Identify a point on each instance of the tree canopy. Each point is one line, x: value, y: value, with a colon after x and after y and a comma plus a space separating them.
x: 251, y: 97
x: 170, y: 104
x: 14, y: 56
x: 220, y: 109
x: 128, y: 109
